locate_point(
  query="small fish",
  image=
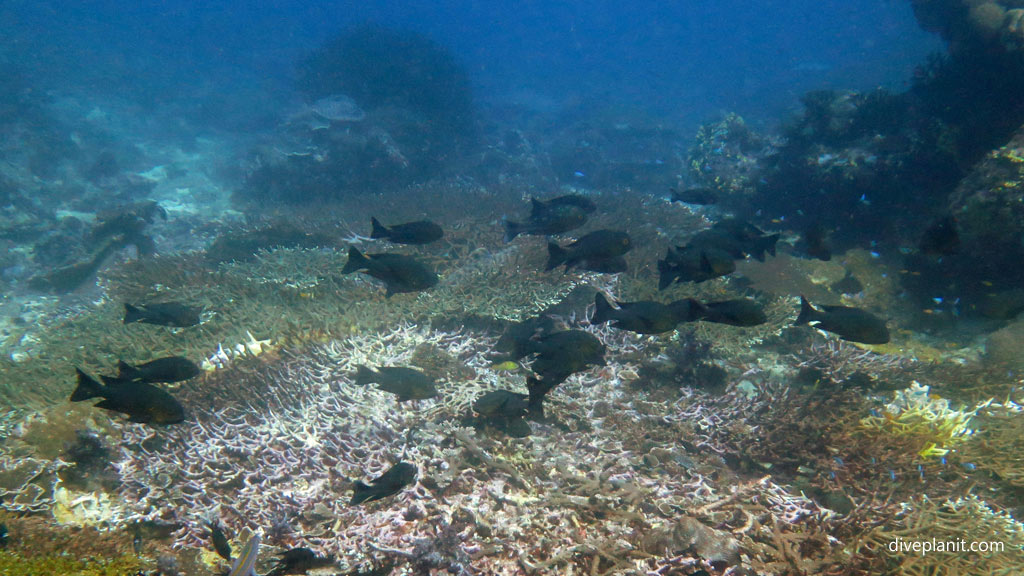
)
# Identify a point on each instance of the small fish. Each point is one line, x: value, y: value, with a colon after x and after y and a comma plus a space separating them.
x: 738, y: 312
x: 299, y: 561
x: 245, y: 565
x: 398, y: 272
x: 419, y: 232
x: 387, y: 484
x: 173, y: 314
x: 406, y: 383
x: 169, y: 369
x: 136, y: 539
x: 597, y: 245
x: 848, y: 323
x: 644, y: 317
x: 699, y: 196
x: 219, y: 540
x: 941, y: 238
x: 4, y: 535
x: 141, y: 402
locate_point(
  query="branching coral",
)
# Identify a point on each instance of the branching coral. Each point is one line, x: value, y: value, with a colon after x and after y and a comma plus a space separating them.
x: 924, y: 418
x: 954, y: 524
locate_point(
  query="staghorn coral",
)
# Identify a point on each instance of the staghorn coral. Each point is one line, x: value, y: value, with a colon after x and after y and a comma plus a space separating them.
x: 952, y: 523
x: 998, y: 445
x: 925, y: 420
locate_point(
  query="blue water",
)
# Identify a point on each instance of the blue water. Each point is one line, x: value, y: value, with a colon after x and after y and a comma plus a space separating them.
x: 680, y: 61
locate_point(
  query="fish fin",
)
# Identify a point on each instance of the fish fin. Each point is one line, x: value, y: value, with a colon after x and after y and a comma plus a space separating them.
x: 379, y: 230
x: 356, y: 261
x: 807, y: 312
x: 126, y: 371
x: 133, y: 313
x: 556, y: 256
x: 115, y: 380
x: 87, y: 387
x: 361, y: 492
x: 602, y: 309
x: 512, y: 229
x: 365, y: 375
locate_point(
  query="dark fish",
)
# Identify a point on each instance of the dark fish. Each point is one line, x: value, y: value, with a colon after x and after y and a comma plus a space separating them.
x: 504, y: 411
x: 516, y: 341
x: 848, y: 285
x: 501, y: 404
x: 173, y: 314
x: 406, y: 383
x: 605, y: 265
x: 298, y: 561
x: 141, y: 402
x: 816, y: 243
x: 738, y: 238
x: 692, y: 264
x: 387, y: 484
x: 941, y: 238
x: 399, y: 273
x: 739, y: 312
x: 219, y: 540
x: 126, y: 220
x: 597, y: 245
x: 546, y: 219
x: 848, y: 323
x: 170, y: 369
x: 644, y: 317
x: 701, y: 196
x: 537, y: 207
x: 4, y: 535
x: 419, y: 232
x: 559, y: 355
x: 136, y: 539
x: 70, y: 278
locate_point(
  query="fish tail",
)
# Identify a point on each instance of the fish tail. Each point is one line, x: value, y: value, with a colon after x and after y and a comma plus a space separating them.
x: 379, y: 230
x: 361, y: 492
x: 807, y: 312
x: 697, y: 310
x: 127, y: 371
x: 356, y: 261
x: 512, y: 229
x: 602, y: 309
x: 132, y: 313
x: 364, y: 375
x: 87, y: 387
x: 556, y: 256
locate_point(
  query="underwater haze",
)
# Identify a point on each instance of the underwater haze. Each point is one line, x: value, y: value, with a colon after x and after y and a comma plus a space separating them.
x: 494, y: 288
x: 682, y: 61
